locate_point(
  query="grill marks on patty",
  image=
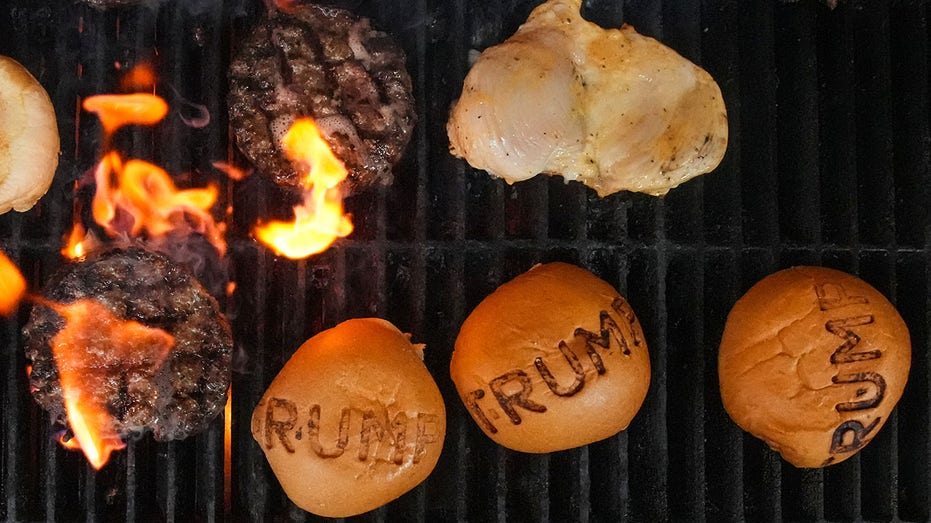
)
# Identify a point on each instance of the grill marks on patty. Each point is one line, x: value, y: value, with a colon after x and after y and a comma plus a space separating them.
x: 187, y: 390
x: 327, y: 64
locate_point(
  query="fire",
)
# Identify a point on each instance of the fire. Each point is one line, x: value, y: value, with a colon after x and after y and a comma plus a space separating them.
x: 12, y: 286
x: 74, y: 246
x: 136, y: 197
x: 228, y: 449
x: 118, y: 110
x: 231, y: 171
x: 69, y: 443
x: 79, y: 242
x: 140, y: 78
x: 92, y: 343
x: 320, y: 220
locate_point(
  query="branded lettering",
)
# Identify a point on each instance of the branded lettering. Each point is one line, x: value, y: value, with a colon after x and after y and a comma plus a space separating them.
x: 372, y: 429
x: 313, y: 424
x: 515, y: 398
x: 862, y: 377
x: 577, y: 383
x: 608, y: 331
x: 471, y: 401
x: 399, y: 435
x: 855, y: 432
x: 834, y: 296
x: 424, y: 436
x: 276, y: 425
x: 513, y: 390
x: 841, y: 329
x: 851, y: 435
x: 393, y: 441
x: 623, y: 308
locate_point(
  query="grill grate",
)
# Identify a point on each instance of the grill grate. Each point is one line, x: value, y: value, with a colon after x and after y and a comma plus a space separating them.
x: 828, y: 164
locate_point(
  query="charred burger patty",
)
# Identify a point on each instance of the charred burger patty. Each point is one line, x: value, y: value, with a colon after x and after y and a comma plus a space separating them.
x: 330, y: 65
x: 176, y: 398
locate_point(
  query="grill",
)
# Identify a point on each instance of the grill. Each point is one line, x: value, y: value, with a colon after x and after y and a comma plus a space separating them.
x: 828, y: 164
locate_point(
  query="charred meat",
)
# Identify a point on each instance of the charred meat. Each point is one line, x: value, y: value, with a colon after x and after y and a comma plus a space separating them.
x: 175, y: 397
x: 327, y: 64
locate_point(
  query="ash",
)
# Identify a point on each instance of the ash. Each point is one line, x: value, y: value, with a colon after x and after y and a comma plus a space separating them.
x: 188, y: 390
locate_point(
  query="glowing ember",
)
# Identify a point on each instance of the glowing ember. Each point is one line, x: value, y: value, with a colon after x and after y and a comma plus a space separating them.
x: 117, y: 110
x: 91, y: 343
x: 319, y: 221
x: 12, y: 286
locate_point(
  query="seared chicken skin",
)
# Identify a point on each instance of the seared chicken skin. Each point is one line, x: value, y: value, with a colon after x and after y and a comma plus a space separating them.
x: 608, y: 107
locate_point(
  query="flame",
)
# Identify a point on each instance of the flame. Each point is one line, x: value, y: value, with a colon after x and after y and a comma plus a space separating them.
x: 136, y: 197
x: 140, y: 78
x: 320, y: 219
x: 74, y: 246
x: 232, y: 172
x: 78, y: 243
x: 91, y: 344
x: 117, y: 110
x: 139, y: 197
x: 12, y: 286
x: 70, y: 443
x: 228, y: 448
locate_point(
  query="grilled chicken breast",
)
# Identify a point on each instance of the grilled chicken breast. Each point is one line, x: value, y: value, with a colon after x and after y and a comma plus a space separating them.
x: 608, y: 107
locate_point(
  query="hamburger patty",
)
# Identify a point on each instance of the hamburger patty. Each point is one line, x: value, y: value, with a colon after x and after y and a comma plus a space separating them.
x: 330, y: 65
x: 176, y: 398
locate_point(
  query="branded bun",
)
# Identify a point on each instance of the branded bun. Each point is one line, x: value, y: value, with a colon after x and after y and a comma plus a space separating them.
x: 353, y: 420
x: 552, y: 360
x: 812, y: 362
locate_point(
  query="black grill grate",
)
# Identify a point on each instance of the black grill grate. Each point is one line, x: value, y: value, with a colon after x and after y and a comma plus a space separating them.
x: 828, y: 164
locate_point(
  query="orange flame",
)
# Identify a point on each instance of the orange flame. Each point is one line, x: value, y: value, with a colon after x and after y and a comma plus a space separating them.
x: 117, y: 110
x: 319, y: 221
x: 79, y: 242
x: 143, y: 198
x: 12, y: 286
x: 74, y: 246
x: 140, y: 78
x: 231, y: 171
x: 93, y: 342
x: 136, y: 197
x: 70, y: 443
x: 228, y: 448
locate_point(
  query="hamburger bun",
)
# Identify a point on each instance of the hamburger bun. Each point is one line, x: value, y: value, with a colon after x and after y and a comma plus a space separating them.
x: 552, y: 360
x: 28, y: 138
x: 353, y: 420
x: 812, y: 362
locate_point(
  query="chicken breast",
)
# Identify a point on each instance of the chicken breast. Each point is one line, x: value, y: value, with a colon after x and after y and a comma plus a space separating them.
x: 608, y: 107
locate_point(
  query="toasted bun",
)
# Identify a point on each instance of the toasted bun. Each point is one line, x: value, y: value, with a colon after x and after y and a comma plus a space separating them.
x: 28, y: 138
x: 352, y: 421
x: 812, y: 362
x: 552, y: 360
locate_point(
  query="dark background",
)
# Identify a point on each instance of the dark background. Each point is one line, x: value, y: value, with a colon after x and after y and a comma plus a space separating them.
x: 828, y: 164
